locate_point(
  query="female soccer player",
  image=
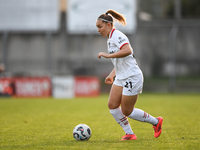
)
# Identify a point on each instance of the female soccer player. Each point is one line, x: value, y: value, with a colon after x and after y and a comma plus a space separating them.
x: 128, y: 81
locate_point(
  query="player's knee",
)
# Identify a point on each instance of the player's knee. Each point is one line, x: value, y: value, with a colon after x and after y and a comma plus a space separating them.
x: 112, y: 106
x: 126, y: 112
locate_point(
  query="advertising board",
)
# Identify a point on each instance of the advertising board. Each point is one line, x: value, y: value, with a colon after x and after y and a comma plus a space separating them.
x: 82, y: 15
x: 33, y: 87
x: 87, y: 86
x: 29, y: 15
x: 63, y: 87
x: 6, y: 87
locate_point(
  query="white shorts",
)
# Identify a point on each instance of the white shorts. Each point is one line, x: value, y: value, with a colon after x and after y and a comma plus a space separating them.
x: 132, y: 85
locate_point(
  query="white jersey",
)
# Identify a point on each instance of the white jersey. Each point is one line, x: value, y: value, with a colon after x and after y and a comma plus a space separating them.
x: 124, y: 66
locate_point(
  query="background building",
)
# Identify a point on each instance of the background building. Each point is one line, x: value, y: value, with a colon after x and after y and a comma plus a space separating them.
x: 165, y: 39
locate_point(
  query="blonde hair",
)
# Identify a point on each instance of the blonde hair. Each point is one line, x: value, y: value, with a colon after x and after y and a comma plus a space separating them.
x: 107, y: 17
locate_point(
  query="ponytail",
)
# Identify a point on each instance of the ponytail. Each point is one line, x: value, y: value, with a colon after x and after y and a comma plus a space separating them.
x: 117, y: 16
x: 107, y: 18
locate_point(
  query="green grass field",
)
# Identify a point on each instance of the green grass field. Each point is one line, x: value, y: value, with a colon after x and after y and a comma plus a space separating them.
x: 47, y: 123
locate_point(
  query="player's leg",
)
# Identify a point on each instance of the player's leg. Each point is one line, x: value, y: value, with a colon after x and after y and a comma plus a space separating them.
x: 128, y: 103
x: 114, y: 107
x: 132, y: 87
x: 115, y: 97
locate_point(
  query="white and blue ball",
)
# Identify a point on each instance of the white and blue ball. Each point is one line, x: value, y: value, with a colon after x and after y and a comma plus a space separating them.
x: 82, y: 132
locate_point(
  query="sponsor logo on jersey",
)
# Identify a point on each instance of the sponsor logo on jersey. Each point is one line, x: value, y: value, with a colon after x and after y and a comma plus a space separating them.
x: 111, y: 45
x: 121, y: 40
x: 111, y: 52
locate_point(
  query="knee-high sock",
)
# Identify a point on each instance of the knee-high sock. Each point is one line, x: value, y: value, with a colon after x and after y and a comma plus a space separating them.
x: 121, y: 120
x: 140, y: 115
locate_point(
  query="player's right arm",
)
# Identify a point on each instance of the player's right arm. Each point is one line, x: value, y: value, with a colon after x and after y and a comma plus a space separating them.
x: 109, y: 78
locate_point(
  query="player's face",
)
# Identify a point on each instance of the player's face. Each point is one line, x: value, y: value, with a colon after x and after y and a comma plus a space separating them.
x: 103, y: 28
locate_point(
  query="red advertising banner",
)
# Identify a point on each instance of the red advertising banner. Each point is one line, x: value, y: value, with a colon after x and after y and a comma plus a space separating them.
x: 87, y: 86
x: 33, y: 87
x: 6, y: 86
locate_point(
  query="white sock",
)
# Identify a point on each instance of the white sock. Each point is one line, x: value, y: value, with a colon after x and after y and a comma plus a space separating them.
x: 121, y: 120
x: 140, y: 115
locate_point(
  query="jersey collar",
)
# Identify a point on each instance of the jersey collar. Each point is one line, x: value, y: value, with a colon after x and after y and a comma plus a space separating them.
x: 111, y: 32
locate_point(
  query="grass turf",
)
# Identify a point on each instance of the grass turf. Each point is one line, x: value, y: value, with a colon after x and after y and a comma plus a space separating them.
x: 46, y: 123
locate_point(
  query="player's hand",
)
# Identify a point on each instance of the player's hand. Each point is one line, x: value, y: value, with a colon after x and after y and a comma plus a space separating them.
x: 109, y: 80
x: 103, y: 55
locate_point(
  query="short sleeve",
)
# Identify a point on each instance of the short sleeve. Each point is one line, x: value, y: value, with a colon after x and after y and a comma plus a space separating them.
x: 120, y: 39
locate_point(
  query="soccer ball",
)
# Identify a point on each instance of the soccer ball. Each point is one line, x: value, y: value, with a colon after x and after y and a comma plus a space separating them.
x: 82, y: 132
